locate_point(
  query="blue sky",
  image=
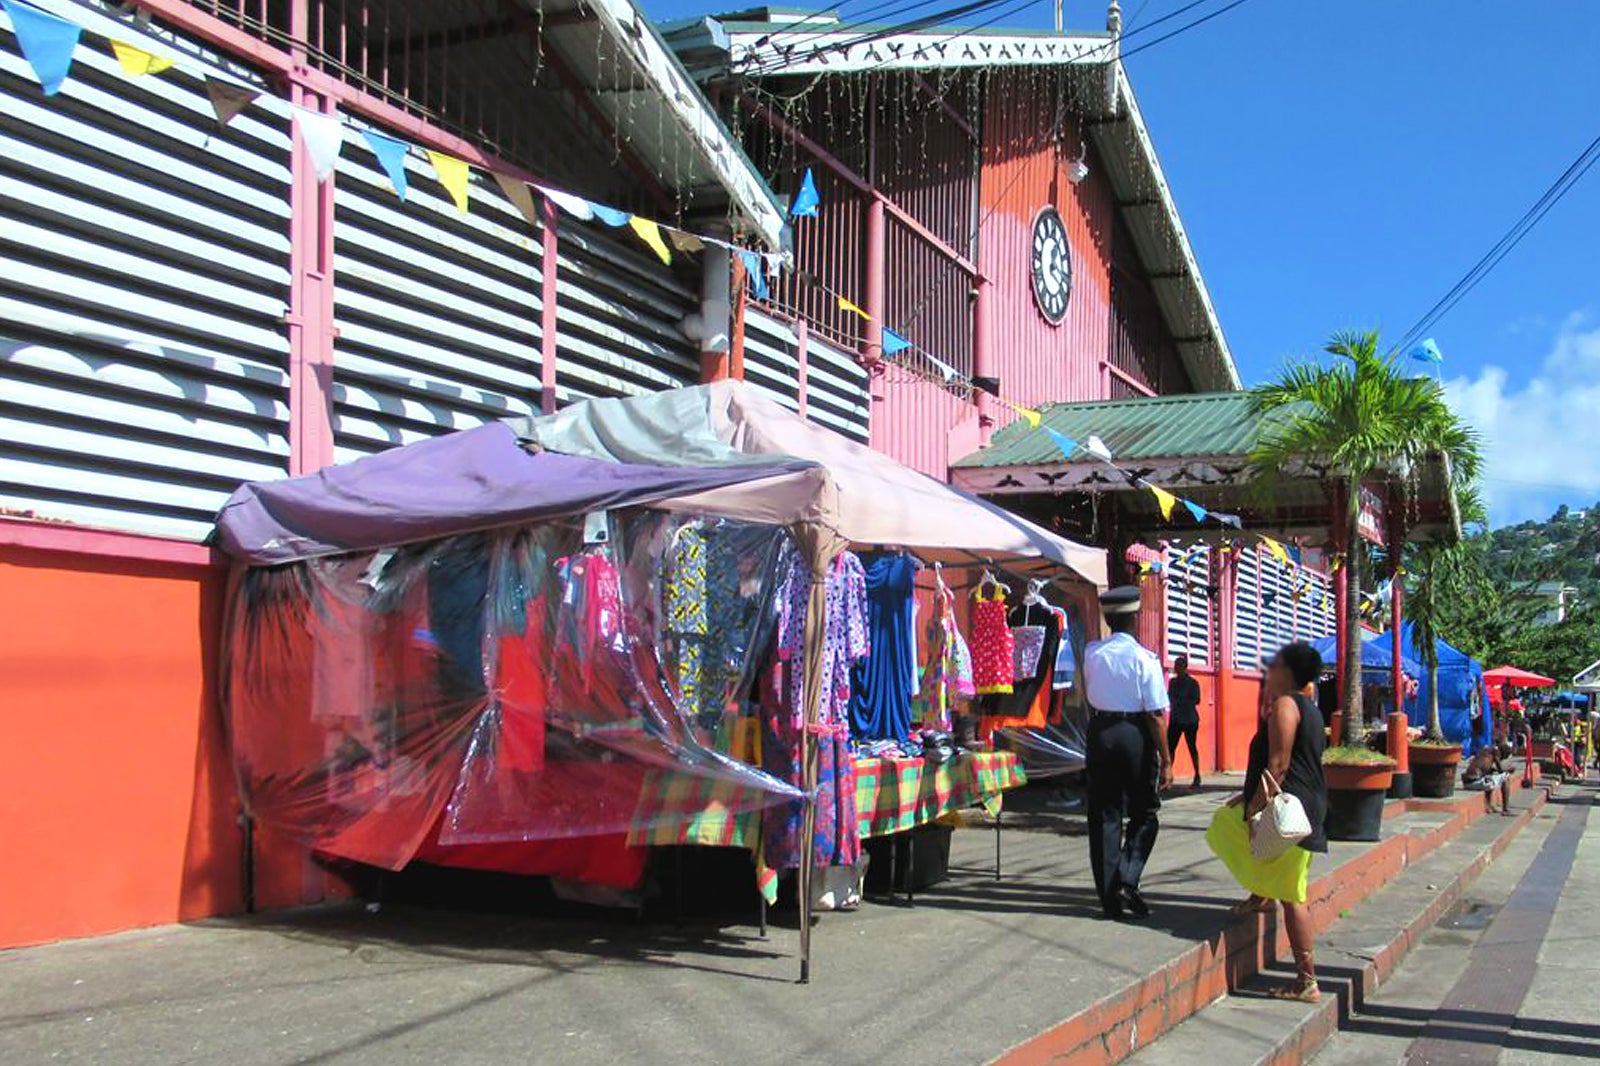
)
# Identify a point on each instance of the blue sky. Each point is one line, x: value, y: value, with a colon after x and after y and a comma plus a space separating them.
x: 1341, y: 164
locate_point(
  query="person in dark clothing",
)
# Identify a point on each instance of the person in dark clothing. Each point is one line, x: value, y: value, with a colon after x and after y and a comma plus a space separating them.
x: 1183, y: 721
x: 1288, y: 745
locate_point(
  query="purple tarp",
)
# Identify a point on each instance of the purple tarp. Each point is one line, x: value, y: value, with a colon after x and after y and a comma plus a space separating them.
x: 475, y: 479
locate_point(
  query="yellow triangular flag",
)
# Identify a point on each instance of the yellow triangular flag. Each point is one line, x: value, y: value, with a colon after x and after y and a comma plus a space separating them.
x: 454, y: 175
x: 136, y: 61
x: 1028, y: 415
x: 846, y: 305
x: 1276, y: 549
x: 650, y: 233
x: 1165, y: 499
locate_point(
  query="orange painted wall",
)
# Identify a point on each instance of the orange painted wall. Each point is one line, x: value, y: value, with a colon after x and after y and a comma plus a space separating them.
x: 117, y: 806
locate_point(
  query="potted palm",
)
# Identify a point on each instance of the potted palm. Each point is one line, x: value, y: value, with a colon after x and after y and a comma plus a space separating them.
x: 1437, y: 573
x: 1358, y: 419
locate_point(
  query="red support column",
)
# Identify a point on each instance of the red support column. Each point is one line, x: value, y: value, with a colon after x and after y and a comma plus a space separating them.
x: 548, y: 326
x: 1226, y: 578
x: 802, y: 372
x: 310, y: 318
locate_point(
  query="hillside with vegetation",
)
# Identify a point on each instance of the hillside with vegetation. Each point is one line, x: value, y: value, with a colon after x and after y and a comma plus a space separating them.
x: 1511, y: 577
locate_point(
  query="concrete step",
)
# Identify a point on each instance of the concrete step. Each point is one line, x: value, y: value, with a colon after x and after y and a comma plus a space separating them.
x: 1360, y: 948
x: 1139, y: 1011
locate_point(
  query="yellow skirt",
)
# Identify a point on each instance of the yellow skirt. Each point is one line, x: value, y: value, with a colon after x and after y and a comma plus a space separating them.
x: 1284, y: 878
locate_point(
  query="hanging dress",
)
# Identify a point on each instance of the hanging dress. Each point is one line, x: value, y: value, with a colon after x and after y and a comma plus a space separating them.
x: 881, y: 682
x: 993, y: 650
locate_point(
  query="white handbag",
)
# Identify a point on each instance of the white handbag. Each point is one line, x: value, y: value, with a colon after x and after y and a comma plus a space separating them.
x: 1278, y: 826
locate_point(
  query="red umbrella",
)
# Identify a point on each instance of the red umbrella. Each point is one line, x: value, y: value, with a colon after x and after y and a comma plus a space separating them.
x: 1510, y: 675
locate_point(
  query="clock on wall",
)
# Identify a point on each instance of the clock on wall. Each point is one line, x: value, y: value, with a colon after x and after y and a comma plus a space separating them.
x: 1052, y: 266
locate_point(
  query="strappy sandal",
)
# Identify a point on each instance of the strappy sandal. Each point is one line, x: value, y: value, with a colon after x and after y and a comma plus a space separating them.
x: 1304, y: 990
x: 1253, y: 905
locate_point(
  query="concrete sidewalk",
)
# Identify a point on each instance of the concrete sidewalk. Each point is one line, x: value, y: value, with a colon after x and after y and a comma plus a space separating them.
x: 974, y: 968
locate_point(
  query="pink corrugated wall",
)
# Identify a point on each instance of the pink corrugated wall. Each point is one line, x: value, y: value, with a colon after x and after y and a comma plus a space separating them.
x: 1035, y: 361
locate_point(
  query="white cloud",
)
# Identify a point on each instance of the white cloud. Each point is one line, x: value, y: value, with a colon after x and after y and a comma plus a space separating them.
x: 1541, y: 435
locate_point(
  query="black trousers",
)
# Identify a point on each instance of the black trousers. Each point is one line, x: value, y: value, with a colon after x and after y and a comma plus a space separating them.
x: 1189, y: 732
x: 1124, y: 777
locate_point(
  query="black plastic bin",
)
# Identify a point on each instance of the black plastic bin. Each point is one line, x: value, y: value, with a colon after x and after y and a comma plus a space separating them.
x: 919, y: 858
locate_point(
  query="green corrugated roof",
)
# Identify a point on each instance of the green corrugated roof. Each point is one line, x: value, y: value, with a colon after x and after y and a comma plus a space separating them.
x: 1192, y: 425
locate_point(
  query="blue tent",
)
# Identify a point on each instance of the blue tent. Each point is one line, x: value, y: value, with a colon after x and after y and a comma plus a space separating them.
x: 1459, y: 676
x: 1377, y: 655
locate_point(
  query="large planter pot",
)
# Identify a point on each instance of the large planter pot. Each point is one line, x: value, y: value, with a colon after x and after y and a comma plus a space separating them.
x: 1356, y: 795
x: 1433, y: 771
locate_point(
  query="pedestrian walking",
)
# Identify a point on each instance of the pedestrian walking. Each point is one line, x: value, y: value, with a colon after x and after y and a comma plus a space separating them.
x: 1183, y: 720
x: 1128, y: 762
x: 1286, y: 750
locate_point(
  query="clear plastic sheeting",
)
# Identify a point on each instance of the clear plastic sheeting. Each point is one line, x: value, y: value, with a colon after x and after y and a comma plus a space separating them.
x: 565, y: 679
x: 1058, y: 748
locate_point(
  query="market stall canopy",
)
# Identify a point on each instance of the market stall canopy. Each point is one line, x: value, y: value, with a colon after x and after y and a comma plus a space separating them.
x: 462, y: 482
x: 875, y: 501
x: 1510, y: 675
x: 1377, y: 653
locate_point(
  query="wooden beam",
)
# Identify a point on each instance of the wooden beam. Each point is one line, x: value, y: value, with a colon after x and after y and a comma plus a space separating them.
x: 955, y: 116
x: 483, y: 31
x: 584, y: 98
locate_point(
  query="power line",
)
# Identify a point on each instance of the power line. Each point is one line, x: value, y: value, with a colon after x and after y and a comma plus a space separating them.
x: 1508, y: 241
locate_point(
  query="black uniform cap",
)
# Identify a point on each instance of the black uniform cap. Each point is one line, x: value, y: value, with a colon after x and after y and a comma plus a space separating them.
x: 1124, y: 599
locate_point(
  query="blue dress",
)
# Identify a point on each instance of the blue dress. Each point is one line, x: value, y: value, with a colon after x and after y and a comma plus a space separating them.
x: 882, y: 684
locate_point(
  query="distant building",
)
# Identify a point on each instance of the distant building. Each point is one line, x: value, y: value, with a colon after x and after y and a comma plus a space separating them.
x: 1555, y: 600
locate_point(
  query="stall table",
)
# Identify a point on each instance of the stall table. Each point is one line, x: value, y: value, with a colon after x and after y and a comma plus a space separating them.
x: 892, y: 796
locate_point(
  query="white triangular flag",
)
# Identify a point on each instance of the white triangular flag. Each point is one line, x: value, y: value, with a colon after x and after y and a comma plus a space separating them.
x: 1095, y: 446
x: 323, y: 136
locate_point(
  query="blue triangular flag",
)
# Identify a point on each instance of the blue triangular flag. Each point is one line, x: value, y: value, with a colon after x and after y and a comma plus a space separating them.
x: 46, y: 40
x: 757, y: 273
x: 1427, y: 352
x: 807, y: 199
x: 391, y: 153
x: 609, y: 215
x: 1064, y: 442
x: 1228, y: 519
x: 893, y: 343
x: 1195, y: 509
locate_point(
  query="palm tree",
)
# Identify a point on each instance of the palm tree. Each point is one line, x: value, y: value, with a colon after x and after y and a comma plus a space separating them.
x: 1354, y: 420
x: 1440, y: 572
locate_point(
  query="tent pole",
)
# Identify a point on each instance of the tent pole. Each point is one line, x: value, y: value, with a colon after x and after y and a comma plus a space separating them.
x: 815, y: 636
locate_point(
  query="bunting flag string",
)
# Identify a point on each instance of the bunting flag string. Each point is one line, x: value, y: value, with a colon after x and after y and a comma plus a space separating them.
x: 391, y: 153
x: 47, y: 42
x: 136, y: 62
x: 650, y: 233
x: 323, y: 135
x: 228, y: 99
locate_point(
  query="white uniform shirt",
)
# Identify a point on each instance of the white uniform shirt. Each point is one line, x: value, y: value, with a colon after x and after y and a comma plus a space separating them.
x: 1121, y: 676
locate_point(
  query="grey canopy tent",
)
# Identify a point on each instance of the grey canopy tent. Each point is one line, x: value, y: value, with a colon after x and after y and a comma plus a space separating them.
x: 722, y: 450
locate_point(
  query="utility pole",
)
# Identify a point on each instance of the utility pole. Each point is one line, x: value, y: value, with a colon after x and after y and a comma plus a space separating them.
x: 1058, y: 15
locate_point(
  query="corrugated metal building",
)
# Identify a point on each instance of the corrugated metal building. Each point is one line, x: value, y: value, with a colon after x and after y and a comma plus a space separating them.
x: 184, y: 306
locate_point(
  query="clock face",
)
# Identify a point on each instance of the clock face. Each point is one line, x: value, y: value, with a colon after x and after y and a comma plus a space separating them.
x: 1052, y: 266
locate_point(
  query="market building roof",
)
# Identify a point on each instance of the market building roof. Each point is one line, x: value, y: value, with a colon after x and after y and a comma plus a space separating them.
x: 1197, y: 444
x: 780, y: 42
x: 1185, y: 426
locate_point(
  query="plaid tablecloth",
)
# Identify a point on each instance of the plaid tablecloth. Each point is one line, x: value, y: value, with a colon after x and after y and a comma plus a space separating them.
x: 892, y: 796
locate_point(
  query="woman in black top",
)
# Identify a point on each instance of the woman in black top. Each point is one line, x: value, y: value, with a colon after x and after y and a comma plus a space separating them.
x: 1288, y: 744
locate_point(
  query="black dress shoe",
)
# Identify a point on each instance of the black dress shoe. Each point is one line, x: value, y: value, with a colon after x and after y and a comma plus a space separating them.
x: 1135, y: 903
x: 1112, y: 910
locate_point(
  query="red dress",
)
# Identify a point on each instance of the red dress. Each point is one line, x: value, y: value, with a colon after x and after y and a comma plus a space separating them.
x: 993, y: 651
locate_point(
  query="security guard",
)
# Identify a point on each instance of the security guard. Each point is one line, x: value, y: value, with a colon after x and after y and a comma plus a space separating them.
x: 1128, y: 760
